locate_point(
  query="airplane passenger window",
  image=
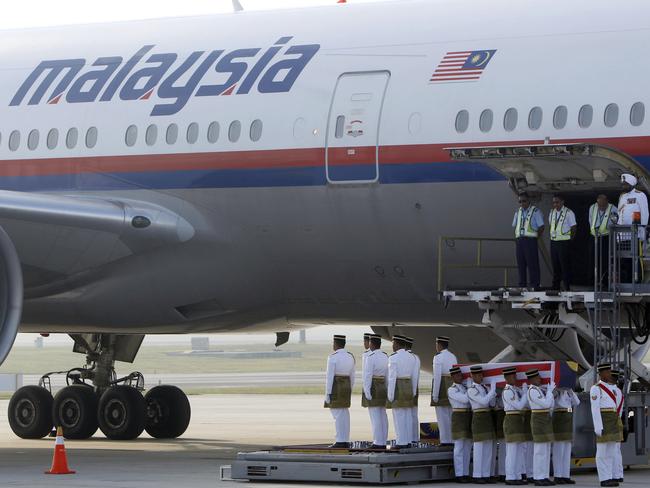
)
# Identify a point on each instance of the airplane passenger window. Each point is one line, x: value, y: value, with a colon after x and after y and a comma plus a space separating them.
x: 91, y: 137
x: 53, y: 138
x: 213, y: 132
x: 72, y: 138
x: 485, y: 120
x: 172, y: 134
x: 535, y: 118
x: 637, y: 114
x: 234, y: 131
x: 560, y: 117
x: 611, y: 115
x: 256, y: 130
x: 32, y: 140
x: 151, y: 135
x: 340, y: 123
x: 192, y: 132
x: 462, y: 121
x: 14, y: 140
x: 585, y: 116
x: 131, y: 135
x: 510, y: 119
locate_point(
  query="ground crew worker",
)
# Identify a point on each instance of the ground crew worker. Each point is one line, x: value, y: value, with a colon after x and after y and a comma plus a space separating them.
x: 373, y: 397
x: 482, y: 425
x: 603, y: 414
x: 402, y: 382
x: 499, y: 447
x: 602, y: 215
x: 338, y: 390
x: 529, y: 227
x: 514, y: 401
x: 541, y: 403
x: 618, y: 472
x: 415, y: 419
x: 564, y: 400
x: 443, y: 361
x: 563, y: 225
x: 632, y: 207
x: 461, y: 425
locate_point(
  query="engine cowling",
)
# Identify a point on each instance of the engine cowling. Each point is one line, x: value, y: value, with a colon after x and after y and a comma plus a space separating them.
x: 11, y: 294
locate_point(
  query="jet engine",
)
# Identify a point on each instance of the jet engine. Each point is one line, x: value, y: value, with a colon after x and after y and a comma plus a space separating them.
x: 11, y: 294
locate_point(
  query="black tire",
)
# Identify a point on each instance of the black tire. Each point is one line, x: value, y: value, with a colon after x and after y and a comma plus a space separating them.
x: 75, y: 410
x: 30, y: 412
x: 168, y: 412
x: 122, y: 413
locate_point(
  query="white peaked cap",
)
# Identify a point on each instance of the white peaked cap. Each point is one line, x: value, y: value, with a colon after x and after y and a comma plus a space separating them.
x: 630, y: 179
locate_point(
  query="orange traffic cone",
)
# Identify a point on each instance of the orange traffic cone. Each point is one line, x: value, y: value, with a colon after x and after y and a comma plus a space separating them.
x: 59, y: 461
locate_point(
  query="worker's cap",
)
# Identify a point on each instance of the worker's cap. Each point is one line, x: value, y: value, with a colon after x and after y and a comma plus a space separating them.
x: 629, y: 179
x: 455, y: 370
x: 509, y: 370
x: 477, y: 368
x: 532, y: 373
x: 443, y: 339
x: 339, y: 337
x: 604, y: 367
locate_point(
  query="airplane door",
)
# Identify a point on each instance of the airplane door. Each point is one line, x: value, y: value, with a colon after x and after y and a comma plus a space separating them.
x: 353, y: 129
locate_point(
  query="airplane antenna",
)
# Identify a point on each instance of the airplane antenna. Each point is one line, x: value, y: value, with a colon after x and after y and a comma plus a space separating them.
x: 237, y: 7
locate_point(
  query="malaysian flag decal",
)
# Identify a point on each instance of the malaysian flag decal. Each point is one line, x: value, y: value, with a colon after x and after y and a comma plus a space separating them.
x: 462, y: 66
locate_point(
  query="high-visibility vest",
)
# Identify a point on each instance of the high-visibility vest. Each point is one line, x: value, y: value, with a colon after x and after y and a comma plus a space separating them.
x: 603, y: 227
x: 557, y: 223
x: 524, y: 227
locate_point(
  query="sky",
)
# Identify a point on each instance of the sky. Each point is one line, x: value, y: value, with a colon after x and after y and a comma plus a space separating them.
x: 39, y: 13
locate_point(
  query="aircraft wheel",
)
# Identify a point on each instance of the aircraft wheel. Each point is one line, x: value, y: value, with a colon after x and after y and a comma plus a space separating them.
x: 122, y: 413
x: 30, y: 412
x: 75, y: 409
x: 168, y: 412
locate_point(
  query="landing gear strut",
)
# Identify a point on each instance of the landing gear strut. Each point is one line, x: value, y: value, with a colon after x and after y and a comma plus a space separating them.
x: 95, y: 398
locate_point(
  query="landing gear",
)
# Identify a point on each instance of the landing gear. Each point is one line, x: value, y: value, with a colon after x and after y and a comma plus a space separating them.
x: 95, y: 398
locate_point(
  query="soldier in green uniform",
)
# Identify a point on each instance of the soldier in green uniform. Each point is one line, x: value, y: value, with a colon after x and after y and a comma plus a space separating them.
x: 565, y: 400
x: 514, y: 400
x: 338, y: 390
x: 461, y: 425
x: 480, y: 398
x: 542, y: 427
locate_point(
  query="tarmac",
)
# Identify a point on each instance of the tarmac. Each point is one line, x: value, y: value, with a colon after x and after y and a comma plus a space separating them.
x: 221, y: 426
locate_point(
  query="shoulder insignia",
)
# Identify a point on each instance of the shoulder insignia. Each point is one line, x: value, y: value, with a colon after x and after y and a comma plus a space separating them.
x: 594, y: 397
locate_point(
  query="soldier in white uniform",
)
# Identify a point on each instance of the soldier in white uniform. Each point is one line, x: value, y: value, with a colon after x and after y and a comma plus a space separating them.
x: 461, y: 425
x: 415, y: 419
x: 514, y: 401
x: 605, y: 419
x: 499, y: 447
x: 565, y: 400
x: 402, y: 384
x: 618, y: 457
x: 375, y: 371
x: 338, y: 390
x: 632, y: 204
x: 443, y: 361
x: 483, y: 435
x: 366, y: 348
x: 541, y: 403
x: 527, y: 446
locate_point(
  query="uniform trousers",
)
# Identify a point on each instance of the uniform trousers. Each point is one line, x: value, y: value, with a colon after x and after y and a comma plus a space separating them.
x: 542, y: 460
x: 562, y: 459
x: 443, y: 417
x: 402, y: 420
x: 605, y: 454
x: 499, y: 468
x: 462, y: 456
x: 617, y: 471
x: 482, y: 454
x: 341, y: 423
x: 514, y: 459
x: 526, y: 459
x: 561, y: 258
x: 379, y: 423
x: 415, y: 425
x: 528, y: 261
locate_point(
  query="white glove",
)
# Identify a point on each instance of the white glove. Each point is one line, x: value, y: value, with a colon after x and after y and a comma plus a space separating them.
x: 551, y: 386
x: 368, y: 397
x: 524, y: 387
x: 434, y: 399
x: 328, y: 398
x: 599, y: 432
x: 391, y: 399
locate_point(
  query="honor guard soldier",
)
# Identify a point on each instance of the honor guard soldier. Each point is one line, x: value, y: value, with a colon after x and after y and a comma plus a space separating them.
x: 366, y: 347
x: 338, y: 390
x: 565, y: 400
x: 499, y: 448
x: 529, y: 227
x: 443, y: 361
x: 375, y: 371
x: 632, y: 207
x: 605, y: 419
x: 483, y: 437
x: 461, y: 425
x: 402, y: 383
x: 527, y: 446
x: 563, y: 225
x: 541, y: 424
x: 602, y: 215
x: 618, y: 457
x: 514, y: 401
x: 415, y: 419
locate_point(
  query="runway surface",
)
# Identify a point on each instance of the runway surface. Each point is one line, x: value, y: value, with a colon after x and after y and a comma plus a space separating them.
x: 221, y: 426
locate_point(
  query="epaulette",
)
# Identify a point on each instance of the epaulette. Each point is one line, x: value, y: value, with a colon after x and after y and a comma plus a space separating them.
x: 371, y: 353
x: 383, y: 352
x: 393, y: 353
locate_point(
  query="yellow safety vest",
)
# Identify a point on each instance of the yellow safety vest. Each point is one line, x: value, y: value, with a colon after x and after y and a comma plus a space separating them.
x: 557, y: 223
x: 527, y: 226
x: 603, y: 228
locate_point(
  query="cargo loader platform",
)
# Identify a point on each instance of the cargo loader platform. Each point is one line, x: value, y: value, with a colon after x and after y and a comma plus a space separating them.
x: 358, y: 466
